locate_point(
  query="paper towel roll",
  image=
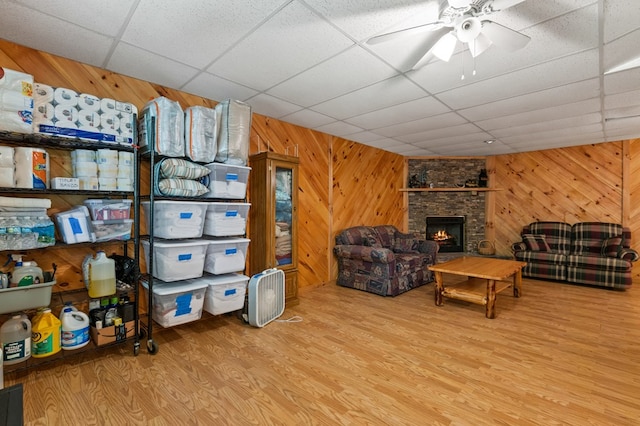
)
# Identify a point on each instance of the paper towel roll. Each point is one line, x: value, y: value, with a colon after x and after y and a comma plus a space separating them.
x: 6, y: 156
x: 43, y: 112
x: 88, y: 120
x: 125, y: 171
x: 7, y: 179
x: 89, y: 102
x: 17, y: 81
x: 32, y: 168
x: 125, y: 158
x: 65, y: 114
x: 42, y: 93
x: 14, y: 101
x: 108, y: 106
x: 80, y: 155
x: 66, y: 97
x: 110, y: 124
x: 84, y: 169
x: 16, y: 121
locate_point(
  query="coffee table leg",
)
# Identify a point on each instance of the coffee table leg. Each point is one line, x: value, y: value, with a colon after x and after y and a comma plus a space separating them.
x: 438, y: 288
x: 491, y: 299
x: 517, y: 284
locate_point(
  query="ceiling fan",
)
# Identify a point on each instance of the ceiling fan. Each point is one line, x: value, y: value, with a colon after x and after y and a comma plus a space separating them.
x: 465, y: 21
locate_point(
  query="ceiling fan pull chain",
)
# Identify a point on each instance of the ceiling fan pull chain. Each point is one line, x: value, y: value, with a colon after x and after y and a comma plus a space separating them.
x: 474, y: 58
x: 462, y: 76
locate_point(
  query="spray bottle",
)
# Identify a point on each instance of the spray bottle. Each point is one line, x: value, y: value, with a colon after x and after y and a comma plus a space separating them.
x: 25, y: 273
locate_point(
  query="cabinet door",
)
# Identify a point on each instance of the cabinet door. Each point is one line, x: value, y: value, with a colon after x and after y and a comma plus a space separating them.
x: 285, y: 194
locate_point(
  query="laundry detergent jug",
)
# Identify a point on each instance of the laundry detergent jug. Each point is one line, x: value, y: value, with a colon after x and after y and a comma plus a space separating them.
x: 45, y: 334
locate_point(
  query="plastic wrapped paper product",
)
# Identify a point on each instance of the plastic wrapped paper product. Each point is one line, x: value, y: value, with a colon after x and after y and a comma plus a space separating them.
x: 16, y: 101
x: 168, y: 135
x: 234, y: 127
x: 200, y: 133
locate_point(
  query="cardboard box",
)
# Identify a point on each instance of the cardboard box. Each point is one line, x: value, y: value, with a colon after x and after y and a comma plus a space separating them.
x: 65, y: 183
x: 112, y: 334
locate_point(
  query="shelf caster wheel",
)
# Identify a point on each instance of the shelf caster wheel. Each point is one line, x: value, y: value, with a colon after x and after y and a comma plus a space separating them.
x: 152, y: 347
x: 136, y: 348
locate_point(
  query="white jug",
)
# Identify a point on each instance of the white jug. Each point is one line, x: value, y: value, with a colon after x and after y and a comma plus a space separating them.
x: 99, y: 275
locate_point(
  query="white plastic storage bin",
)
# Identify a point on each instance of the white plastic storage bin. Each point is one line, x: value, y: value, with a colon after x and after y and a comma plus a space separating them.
x: 108, y: 209
x: 227, y: 181
x: 177, y: 260
x: 226, y: 219
x: 107, y: 230
x: 176, y: 303
x: 226, y: 255
x: 225, y: 293
x: 176, y: 219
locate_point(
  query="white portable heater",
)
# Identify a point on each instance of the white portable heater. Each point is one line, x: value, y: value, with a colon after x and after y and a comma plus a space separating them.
x: 266, y: 297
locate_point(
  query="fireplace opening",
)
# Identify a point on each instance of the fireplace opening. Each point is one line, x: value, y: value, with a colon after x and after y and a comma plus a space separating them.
x: 447, y: 231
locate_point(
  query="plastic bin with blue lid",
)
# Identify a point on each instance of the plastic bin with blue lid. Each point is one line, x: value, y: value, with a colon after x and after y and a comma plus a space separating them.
x: 176, y: 302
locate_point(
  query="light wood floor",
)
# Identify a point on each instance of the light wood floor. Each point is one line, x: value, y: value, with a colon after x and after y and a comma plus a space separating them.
x: 561, y: 354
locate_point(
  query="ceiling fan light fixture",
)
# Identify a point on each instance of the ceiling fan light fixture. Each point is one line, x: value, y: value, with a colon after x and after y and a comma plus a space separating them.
x: 479, y: 45
x: 445, y: 47
x: 468, y: 29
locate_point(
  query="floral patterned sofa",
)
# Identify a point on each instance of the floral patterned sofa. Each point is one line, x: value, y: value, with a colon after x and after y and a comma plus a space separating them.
x: 592, y: 253
x: 382, y: 260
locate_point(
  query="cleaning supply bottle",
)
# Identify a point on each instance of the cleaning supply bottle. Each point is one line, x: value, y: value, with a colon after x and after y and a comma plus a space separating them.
x: 100, y: 275
x: 75, y: 328
x: 45, y: 334
x: 15, y: 335
x: 25, y: 273
x: 112, y: 312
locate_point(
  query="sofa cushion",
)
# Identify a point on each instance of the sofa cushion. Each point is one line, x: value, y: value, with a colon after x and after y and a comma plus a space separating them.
x: 357, y: 236
x: 541, y: 257
x: 386, y: 235
x: 536, y: 242
x: 588, y: 236
x: 405, y: 245
x: 611, y: 246
x: 557, y: 234
x: 601, y: 263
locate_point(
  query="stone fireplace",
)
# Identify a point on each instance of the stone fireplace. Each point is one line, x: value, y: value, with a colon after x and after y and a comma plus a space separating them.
x: 448, y: 173
x: 447, y: 231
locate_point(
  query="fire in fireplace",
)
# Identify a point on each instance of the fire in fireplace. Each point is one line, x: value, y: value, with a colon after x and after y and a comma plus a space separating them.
x: 447, y: 231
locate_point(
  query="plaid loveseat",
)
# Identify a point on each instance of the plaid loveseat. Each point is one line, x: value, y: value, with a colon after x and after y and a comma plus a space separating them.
x: 592, y: 253
x: 382, y: 260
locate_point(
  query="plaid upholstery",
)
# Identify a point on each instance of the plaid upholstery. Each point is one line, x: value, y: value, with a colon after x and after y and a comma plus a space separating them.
x: 366, y: 260
x: 536, y: 242
x: 577, y: 254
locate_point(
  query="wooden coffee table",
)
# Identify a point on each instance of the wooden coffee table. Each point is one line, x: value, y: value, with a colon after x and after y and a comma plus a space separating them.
x: 486, y: 278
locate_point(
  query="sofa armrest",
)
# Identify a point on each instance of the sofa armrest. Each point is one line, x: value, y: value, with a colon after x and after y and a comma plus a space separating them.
x: 430, y: 248
x: 519, y: 246
x: 628, y: 254
x: 365, y: 253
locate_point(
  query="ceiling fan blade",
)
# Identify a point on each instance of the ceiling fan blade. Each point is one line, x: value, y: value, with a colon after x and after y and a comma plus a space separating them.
x: 431, y: 26
x: 504, y: 37
x: 445, y: 47
x: 497, y: 5
x: 427, y: 48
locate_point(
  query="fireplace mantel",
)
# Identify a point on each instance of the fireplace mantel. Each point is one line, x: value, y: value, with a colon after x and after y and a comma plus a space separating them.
x: 448, y: 189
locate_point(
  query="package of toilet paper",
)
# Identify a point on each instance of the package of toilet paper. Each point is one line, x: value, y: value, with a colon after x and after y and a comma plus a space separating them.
x: 64, y: 112
x: 16, y: 101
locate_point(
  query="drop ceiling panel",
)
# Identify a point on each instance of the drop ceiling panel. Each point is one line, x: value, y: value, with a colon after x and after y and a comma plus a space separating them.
x: 339, y: 128
x: 541, y: 126
x: 569, y: 132
x: 621, y: 100
x: 307, y: 118
x: 384, y: 94
x: 541, y: 116
x: 620, y: 17
x: 29, y: 27
x: 622, y: 81
x: 217, y: 88
x: 402, y: 113
x: 569, y: 93
x: 439, y: 142
x: 416, y: 126
x: 581, y: 66
x: 138, y: 63
x: 271, y: 107
x: 280, y: 48
x: 445, y: 132
x: 194, y: 32
x: 350, y: 70
x: 622, y: 50
x: 99, y: 16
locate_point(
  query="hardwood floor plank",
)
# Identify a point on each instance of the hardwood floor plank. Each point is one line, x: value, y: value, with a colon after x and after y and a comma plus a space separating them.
x: 561, y: 354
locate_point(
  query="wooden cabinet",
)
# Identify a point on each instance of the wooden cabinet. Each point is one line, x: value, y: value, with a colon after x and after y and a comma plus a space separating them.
x: 273, y: 218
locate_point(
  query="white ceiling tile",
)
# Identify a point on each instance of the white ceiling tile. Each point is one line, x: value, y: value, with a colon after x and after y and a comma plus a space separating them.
x: 410, y: 150
x: 386, y: 143
x: 416, y: 126
x: 622, y: 81
x: 469, y: 137
x: 350, y: 70
x: 520, y: 121
x: 130, y: 60
x: 622, y: 51
x: 271, y: 107
x: 216, y: 88
x: 102, y: 17
x: 194, y: 32
x: 620, y: 17
x: 384, y: 94
x: 567, y: 132
x: 580, y: 66
x: 28, y: 27
x: 402, y: 113
x: 339, y: 128
x: 363, y: 137
x: 621, y: 100
x: 307, y: 118
x: 451, y: 133
x: 541, y: 126
x: 556, y: 96
x: 289, y: 43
